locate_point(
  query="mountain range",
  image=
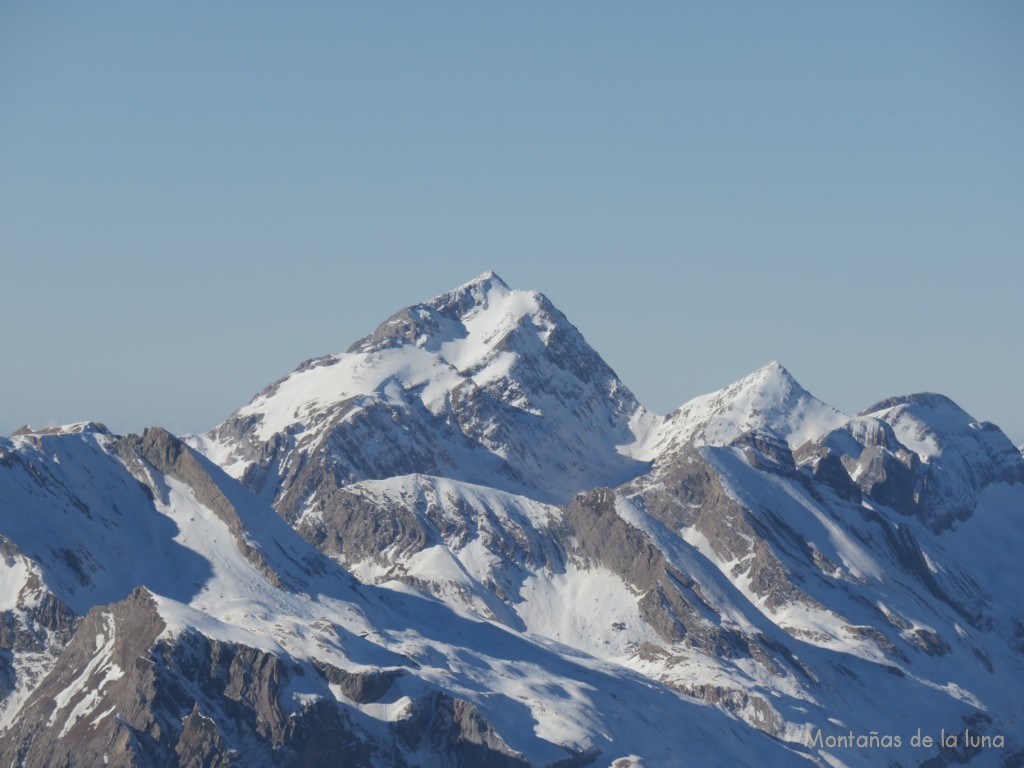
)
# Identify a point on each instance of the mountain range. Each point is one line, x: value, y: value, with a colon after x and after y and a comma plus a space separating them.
x: 465, y: 542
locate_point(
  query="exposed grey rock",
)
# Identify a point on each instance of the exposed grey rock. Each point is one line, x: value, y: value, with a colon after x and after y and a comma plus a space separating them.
x: 55, y: 727
x: 455, y: 731
x: 200, y: 744
x: 40, y: 618
x: 39, y: 626
x: 123, y: 693
x: 964, y: 456
x: 684, y: 490
x: 171, y: 457
x: 352, y: 525
x: 363, y: 687
x: 670, y: 601
x: 184, y: 701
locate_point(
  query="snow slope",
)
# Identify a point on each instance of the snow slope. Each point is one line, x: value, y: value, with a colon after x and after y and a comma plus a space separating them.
x: 180, y: 540
x: 769, y: 398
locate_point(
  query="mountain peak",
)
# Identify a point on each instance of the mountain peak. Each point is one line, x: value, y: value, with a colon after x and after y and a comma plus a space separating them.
x: 771, y: 375
x: 931, y: 424
x: 441, y: 318
x: 767, y: 399
x: 771, y: 385
x: 483, y: 382
x: 478, y: 293
x: 930, y: 400
x: 961, y: 456
x: 773, y: 368
x: 489, y: 278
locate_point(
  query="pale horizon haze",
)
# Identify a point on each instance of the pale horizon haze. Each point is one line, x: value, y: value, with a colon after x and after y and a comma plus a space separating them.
x: 194, y: 198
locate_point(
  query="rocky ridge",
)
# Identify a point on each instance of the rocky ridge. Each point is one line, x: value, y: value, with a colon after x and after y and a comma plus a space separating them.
x: 494, y: 532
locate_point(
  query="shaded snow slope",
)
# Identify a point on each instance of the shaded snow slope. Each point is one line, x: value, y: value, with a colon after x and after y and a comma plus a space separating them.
x: 224, y: 575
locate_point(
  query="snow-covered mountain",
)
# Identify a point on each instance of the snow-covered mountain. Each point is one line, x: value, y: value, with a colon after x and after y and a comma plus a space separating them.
x: 768, y: 399
x: 156, y: 612
x: 464, y: 542
x: 484, y: 384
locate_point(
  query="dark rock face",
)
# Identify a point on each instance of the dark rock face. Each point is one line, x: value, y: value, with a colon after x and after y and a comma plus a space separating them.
x: 40, y: 625
x: 964, y: 457
x: 353, y: 528
x: 237, y: 715
x: 123, y: 694
x: 200, y: 744
x: 455, y: 731
x: 171, y: 457
x: 670, y: 601
x: 684, y: 490
x: 70, y: 718
x: 119, y: 696
x: 40, y: 618
x: 353, y: 525
x: 363, y: 687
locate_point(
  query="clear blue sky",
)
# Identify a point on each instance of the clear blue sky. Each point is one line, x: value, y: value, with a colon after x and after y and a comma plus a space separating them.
x: 194, y: 197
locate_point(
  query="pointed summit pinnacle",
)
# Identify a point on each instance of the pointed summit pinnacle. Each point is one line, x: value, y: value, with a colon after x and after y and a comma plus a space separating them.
x: 773, y: 368
x: 486, y: 279
x: 771, y: 379
x: 767, y: 399
x: 468, y: 296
